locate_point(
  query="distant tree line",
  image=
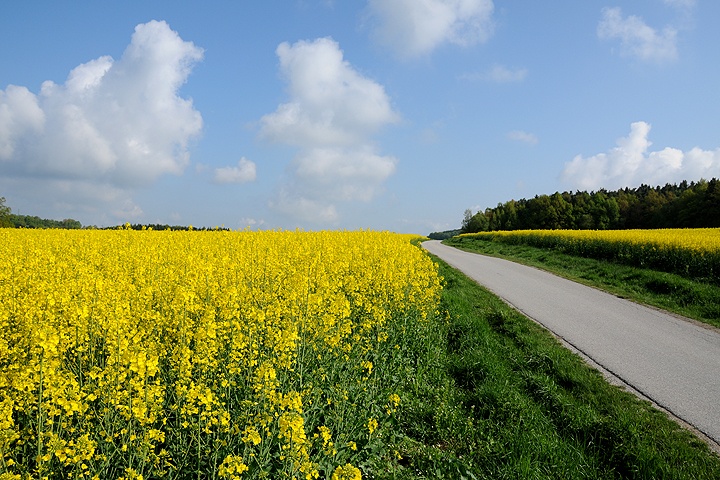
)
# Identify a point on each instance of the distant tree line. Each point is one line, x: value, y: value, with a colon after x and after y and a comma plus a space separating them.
x: 684, y: 205
x: 28, y: 221
x: 11, y: 220
x: 444, y: 234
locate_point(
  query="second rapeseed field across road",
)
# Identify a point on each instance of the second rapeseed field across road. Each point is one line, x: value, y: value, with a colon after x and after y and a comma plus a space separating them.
x: 693, y: 252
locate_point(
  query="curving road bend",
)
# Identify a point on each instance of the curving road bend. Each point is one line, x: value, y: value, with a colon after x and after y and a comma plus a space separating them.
x: 669, y: 360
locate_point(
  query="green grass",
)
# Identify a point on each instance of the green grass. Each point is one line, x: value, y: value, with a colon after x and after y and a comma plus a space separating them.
x: 691, y: 298
x: 487, y: 393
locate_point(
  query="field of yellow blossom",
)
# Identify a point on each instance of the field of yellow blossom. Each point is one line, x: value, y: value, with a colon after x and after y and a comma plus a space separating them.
x: 692, y: 252
x: 157, y: 354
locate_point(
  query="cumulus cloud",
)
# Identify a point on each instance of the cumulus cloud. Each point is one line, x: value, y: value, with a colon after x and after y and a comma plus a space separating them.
x: 249, y: 222
x: 498, y: 74
x: 303, y: 208
x: 416, y: 27
x: 330, y: 117
x: 637, y: 39
x: 524, y: 137
x: 352, y: 174
x: 682, y: 4
x: 330, y: 102
x: 630, y: 164
x: 117, y: 123
x: 128, y: 209
x: 245, y: 171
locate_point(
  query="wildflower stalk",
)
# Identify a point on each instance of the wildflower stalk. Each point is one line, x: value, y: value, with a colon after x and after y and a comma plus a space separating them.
x: 40, y: 419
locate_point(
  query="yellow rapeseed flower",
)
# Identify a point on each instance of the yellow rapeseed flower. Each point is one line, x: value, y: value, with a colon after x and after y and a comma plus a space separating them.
x: 119, y: 344
x: 347, y: 472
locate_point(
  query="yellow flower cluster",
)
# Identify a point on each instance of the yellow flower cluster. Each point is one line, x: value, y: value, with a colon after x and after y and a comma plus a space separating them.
x: 143, y: 354
x: 694, y: 251
x: 346, y: 472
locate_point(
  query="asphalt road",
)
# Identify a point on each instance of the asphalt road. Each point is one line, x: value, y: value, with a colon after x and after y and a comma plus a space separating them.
x: 670, y: 360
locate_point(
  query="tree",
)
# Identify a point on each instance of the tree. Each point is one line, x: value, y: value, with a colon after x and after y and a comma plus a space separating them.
x: 4, y: 214
x: 563, y: 211
x: 509, y: 218
x: 474, y: 223
x: 478, y: 223
x: 711, y: 204
x: 70, y: 223
x: 467, y: 218
x: 687, y: 205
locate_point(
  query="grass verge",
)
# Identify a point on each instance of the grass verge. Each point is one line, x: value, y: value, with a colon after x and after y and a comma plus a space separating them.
x: 490, y: 394
x: 690, y: 298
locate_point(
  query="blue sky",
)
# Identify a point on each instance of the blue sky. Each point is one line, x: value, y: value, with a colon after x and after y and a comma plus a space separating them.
x: 319, y: 114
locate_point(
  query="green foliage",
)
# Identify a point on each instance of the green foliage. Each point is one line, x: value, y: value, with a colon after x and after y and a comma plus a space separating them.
x: 31, y: 221
x: 493, y: 395
x: 684, y: 205
x: 10, y: 220
x: 5, y: 214
x: 444, y: 234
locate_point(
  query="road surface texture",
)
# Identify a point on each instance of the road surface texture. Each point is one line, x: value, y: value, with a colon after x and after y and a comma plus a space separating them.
x: 671, y: 361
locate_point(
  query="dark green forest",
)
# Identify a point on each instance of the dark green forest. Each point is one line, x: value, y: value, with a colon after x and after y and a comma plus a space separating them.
x: 684, y: 205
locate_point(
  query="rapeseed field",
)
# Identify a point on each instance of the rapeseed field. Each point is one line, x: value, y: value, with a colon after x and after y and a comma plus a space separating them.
x: 156, y: 354
x: 693, y: 252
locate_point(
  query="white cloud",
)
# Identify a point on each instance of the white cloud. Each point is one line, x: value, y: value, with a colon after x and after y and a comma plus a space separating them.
x: 498, y: 74
x: 630, y: 164
x: 331, y: 103
x: 416, y: 27
x: 331, y: 115
x: 682, y: 4
x: 20, y: 115
x: 128, y: 210
x: 346, y: 175
x: 104, y: 204
x: 249, y: 222
x: 245, y: 171
x: 637, y: 39
x: 524, y: 137
x: 304, y: 209
x: 121, y: 124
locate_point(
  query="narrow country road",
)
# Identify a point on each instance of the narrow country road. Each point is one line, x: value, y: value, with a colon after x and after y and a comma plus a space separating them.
x: 671, y: 361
